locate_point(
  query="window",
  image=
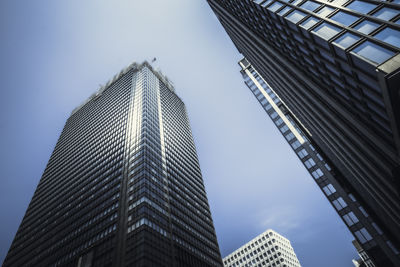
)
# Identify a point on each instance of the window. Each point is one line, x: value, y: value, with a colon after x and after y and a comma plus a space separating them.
x: 274, y: 115
x: 350, y: 218
x: 325, y: 11
x: 296, y: 16
x: 317, y: 173
x: 295, y: 144
x: 326, y: 30
x: 346, y: 40
x: 373, y: 52
x: 289, y: 136
x: 284, y: 128
x: 344, y: 18
x: 284, y: 11
x: 392, y: 247
x: 310, y: 5
x: 351, y: 196
x: 308, y: 23
x: 327, y: 167
x: 386, y: 13
x: 275, y: 6
x: 279, y: 122
x: 363, y: 236
x: 329, y: 189
x: 309, y: 163
x: 363, y: 211
x: 302, y: 153
x: 266, y: 3
x: 339, y: 203
x: 377, y: 228
x: 361, y: 6
x: 390, y: 36
x: 366, y: 26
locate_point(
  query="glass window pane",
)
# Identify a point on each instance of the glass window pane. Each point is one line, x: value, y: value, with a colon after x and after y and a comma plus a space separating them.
x: 366, y: 26
x: 266, y: 3
x: 284, y: 11
x: 311, y: 21
x: 296, y: 16
x: 390, y: 36
x: 325, y: 11
x: 275, y: 6
x: 360, y: 6
x: 344, y: 18
x: 310, y: 5
x: 346, y: 40
x: 326, y: 30
x: 373, y: 52
x: 257, y: 1
x: 386, y: 13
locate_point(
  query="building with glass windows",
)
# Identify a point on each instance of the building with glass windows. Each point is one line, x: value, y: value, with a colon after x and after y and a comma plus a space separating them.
x: 336, y: 65
x: 268, y: 249
x: 364, y: 260
x: 123, y: 185
x: 337, y: 190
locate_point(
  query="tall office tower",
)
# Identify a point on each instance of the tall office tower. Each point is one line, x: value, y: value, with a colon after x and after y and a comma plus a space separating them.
x: 364, y: 260
x: 337, y: 190
x: 335, y: 64
x: 123, y: 186
x: 268, y: 249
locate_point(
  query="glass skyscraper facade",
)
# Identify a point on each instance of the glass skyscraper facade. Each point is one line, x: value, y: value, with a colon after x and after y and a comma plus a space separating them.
x: 332, y: 183
x: 336, y: 66
x: 123, y: 185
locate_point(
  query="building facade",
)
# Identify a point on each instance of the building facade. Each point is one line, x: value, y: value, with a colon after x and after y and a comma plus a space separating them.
x: 268, y: 249
x: 364, y: 260
x: 335, y: 64
x: 329, y: 179
x: 123, y: 185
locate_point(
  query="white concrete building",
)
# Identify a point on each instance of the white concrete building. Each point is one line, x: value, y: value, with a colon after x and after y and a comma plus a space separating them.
x: 268, y: 249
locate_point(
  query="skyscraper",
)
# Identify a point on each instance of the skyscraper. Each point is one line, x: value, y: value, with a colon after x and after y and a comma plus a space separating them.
x: 123, y: 185
x: 335, y: 64
x: 326, y: 175
x: 268, y: 249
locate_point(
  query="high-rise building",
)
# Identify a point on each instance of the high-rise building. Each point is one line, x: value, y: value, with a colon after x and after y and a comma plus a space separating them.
x: 364, y: 260
x: 336, y: 65
x: 123, y: 185
x: 268, y: 249
x: 339, y: 193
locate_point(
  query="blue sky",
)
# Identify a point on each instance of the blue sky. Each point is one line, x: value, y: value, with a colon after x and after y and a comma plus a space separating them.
x: 54, y: 54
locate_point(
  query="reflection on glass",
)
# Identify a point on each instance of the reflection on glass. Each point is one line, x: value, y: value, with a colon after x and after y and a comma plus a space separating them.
x: 311, y: 21
x: 266, y: 3
x: 344, y: 18
x: 390, y: 36
x: 386, y: 13
x: 310, y: 5
x: 361, y: 6
x: 296, y: 16
x: 346, y: 40
x: 284, y: 11
x: 366, y: 26
x: 275, y: 6
x: 326, y: 30
x: 325, y: 11
x: 373, y: 52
